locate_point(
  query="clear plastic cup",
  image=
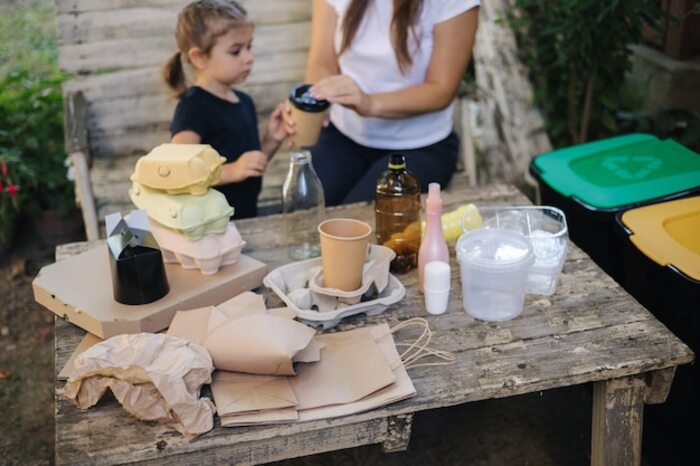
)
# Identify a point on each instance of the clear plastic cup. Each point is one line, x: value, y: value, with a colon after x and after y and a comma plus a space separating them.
x: 547, y: 230
x: 494, y: 267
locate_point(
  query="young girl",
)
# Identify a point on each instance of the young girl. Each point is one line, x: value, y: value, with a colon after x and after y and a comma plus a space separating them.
x: 215, y: 37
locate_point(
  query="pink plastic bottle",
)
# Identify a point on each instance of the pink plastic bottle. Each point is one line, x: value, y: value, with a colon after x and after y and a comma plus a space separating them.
x: 433, y: 246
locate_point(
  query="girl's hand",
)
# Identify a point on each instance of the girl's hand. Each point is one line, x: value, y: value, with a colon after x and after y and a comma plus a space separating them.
x: 276, y: 125
x: 343, y: 90
x: 251, y: 163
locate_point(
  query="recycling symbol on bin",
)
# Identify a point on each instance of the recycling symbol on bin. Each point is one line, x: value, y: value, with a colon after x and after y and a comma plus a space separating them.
x: 632, y: 167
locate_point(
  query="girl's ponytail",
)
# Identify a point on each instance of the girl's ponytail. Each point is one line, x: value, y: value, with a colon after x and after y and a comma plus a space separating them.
x: 174, y: 75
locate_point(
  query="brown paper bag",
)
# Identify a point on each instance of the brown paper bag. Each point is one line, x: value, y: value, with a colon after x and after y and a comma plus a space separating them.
x: 241, y: 335
x: 258, y: 344
x: 351, y: 367
x: 235, y: 392
x: 401, y: 389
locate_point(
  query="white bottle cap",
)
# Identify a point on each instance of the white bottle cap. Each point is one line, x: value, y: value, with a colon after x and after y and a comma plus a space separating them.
x: 436, y: 286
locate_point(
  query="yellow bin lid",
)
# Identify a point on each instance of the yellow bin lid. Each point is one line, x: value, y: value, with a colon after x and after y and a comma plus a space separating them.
x: 668, y: 233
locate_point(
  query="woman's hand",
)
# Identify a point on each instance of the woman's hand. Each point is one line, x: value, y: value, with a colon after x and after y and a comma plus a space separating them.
x: 251, y: 163
x: 343, y: 90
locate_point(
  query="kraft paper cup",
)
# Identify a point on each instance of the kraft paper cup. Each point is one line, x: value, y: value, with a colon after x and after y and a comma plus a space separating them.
x: 344, y: 245
x: 308, y: 114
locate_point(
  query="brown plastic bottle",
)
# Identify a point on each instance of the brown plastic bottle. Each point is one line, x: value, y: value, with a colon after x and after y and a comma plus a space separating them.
x: 397, y: 213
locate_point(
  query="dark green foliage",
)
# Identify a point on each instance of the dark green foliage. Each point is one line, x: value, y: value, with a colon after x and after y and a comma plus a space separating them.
x: 31, y: 147
x: 578, y: 55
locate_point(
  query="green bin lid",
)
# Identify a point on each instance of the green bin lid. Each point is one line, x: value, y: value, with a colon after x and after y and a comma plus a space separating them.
x: 620, y: 171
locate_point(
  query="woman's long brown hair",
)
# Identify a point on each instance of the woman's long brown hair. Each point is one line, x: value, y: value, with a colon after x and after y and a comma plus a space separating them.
x: 402, y: 24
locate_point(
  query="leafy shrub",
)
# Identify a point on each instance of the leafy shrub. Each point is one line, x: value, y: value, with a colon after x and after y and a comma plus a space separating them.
x: 31, y: 147
x: 577, y: 51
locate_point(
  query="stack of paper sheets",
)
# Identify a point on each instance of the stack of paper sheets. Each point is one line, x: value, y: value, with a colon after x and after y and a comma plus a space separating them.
x: 337, y: 374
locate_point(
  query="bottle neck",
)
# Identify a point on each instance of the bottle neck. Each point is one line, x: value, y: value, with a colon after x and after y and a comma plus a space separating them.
x: 300, y: 157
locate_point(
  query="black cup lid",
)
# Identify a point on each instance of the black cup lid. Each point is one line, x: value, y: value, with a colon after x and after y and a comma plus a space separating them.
x: 299, y: 97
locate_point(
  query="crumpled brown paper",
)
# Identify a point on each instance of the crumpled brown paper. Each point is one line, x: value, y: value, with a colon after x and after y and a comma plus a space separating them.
x: 155, y: 377
x: 242, y: 335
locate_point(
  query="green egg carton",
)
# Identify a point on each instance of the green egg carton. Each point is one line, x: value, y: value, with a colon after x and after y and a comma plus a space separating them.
x: 179, y: 168
x: 190, y: 215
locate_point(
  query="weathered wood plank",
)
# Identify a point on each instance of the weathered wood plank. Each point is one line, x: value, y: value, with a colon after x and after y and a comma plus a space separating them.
x: 262, y: 12
x: 135, y: 84
x: 659, y: 385
x: 398, y: 433
x: 618, y: 411
x: 142, y: 21
x: 109, y: 54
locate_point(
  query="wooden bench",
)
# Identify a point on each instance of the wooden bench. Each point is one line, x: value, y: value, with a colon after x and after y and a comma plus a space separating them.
x: 118, y: 108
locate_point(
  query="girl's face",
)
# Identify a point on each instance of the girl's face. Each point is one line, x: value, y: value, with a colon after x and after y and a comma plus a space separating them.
x: 231, y: 60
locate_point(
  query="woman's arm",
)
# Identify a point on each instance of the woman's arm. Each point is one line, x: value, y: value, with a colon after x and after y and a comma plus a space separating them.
x: 452, y: 46
x: 322, y: 60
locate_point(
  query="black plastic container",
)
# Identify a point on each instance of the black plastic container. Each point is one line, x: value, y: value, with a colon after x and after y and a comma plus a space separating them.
x: 674, y: 299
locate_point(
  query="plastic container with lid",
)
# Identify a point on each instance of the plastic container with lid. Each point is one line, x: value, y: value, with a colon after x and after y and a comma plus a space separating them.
x: 661, y: 269
x: 494, y: 266
x: 546, y: 228
x: 594, y: 181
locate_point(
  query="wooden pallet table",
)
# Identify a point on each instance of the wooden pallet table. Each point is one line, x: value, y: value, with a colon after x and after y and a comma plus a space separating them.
x: 590, y: 331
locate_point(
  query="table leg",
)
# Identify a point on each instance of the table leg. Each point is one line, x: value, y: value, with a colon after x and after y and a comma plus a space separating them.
x: 618, y: 411
x: 398, y: 433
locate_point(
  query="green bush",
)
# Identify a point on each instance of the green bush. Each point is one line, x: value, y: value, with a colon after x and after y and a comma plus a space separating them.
x: 578, y: 55
x: 31, y: 148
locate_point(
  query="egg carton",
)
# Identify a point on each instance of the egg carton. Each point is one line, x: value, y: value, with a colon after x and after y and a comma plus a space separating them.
x: 179, y: 168
x: 207, y: 254
x: 190, y: 215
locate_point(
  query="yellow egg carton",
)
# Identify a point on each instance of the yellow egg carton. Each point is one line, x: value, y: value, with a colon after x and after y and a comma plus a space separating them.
x: 179, y: 168
x: 190, y: 215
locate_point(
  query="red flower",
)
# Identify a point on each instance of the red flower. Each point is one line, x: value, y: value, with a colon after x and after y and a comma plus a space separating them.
x: 3, y: 168
x: 12, y: 189
x: 2, y: 187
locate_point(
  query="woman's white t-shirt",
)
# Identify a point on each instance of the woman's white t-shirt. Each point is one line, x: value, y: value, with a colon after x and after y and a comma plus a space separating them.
x: 371, y: 62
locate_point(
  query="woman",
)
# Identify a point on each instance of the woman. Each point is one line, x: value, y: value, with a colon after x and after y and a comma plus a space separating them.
x: 392, y: 70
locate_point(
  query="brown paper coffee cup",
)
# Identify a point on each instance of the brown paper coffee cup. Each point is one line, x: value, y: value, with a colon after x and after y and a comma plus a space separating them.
x: 308, y: 114
x: 308, y: 126
x: 343, y: 251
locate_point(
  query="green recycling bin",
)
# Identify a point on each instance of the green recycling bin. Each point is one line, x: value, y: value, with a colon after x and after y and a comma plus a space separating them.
x: 594, y: 181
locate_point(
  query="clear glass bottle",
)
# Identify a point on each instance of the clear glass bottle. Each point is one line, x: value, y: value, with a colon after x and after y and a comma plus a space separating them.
x: 397, y: 213
x: 303, y: 206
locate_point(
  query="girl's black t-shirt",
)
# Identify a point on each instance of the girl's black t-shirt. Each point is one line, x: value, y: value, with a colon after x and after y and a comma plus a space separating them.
x: 231, y: 129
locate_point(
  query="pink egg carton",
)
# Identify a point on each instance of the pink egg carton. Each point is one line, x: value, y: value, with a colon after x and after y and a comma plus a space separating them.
x: 207, y: 254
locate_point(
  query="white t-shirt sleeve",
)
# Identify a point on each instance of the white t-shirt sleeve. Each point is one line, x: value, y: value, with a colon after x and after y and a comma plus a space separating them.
x: 446, y: 9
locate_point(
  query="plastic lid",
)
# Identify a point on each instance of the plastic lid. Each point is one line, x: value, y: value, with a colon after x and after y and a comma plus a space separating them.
x: 620, y: 171
x: 299, y: 97
x: 668, y: 233
x: 494, y: 249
